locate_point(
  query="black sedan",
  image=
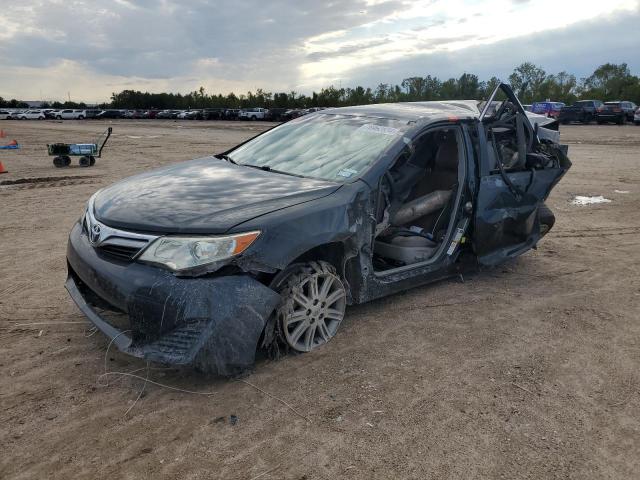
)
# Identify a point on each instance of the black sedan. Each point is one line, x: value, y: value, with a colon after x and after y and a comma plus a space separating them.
x: 110, y: 114
x: 266, y: 244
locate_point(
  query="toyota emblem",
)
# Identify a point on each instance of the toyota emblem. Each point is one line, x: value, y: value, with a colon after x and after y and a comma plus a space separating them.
x: 94, y: 233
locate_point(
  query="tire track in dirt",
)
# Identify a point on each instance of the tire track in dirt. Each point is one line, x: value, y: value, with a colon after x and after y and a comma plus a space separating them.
x: 596, y: 232
x: 47, y: 182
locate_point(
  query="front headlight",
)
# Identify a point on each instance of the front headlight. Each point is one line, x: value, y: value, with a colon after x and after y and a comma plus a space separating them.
x: 183, y: 253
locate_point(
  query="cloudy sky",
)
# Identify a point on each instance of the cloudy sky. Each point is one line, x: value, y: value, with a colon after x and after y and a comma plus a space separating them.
x: 93, y: 48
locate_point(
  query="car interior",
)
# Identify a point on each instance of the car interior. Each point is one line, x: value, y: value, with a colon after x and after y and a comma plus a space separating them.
x: 417, y: 198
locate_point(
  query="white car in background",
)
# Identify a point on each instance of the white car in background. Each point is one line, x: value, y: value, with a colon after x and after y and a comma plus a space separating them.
x: 69, y: 114
x: 6, y: 115
x: 31, y: 115
x: 636, y: 116
x: 253, y: 114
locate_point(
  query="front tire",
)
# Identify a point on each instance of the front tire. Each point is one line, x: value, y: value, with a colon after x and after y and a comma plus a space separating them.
x: 313, y: 305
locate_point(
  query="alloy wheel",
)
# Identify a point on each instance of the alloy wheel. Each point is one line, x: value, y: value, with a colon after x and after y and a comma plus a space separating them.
x: 313, y: 311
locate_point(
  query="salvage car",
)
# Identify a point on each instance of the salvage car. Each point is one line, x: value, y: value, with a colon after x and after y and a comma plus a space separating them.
x: 31, y: 115
x: 265, y: 245
x: 69, y: 114
x: 253, y: 114
x: 616, y: 112
x: 583, y: 111
x: 112, y: 113
x: 548, y: 109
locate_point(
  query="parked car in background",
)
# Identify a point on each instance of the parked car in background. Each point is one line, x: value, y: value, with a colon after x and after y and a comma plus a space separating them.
x: 294, y: 113
x: 69, y: 114
x: 636, y: 116
x: 92, y: 112
x: 253, y: 114
x: 6, y: 115
x: 527, y: 107
x: 548, y: 109
x: 190, y: 114
x: 31, y: 115
x: 616, y: 112
x: 167, y: 114
x: 110, y: 114
x: 231, y: 113
x: 583, y: 111
x: 276, y: 114
x: 212, y: 113
x: 134, y: 114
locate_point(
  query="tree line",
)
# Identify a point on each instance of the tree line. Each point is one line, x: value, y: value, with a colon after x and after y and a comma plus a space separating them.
x: 531, y: 83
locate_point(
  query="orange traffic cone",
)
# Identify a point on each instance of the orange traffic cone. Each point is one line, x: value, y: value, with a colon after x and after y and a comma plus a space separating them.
x: 2, y: 134
x: 2, y: 169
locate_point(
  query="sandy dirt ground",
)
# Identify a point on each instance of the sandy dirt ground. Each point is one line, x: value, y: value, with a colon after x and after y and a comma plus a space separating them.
x: 528, y: 370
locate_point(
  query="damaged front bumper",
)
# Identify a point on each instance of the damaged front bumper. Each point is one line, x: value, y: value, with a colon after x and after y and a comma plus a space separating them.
x: 211, y: 323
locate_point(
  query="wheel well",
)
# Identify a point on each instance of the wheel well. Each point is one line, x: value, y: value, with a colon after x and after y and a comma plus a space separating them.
x: 332, y: 253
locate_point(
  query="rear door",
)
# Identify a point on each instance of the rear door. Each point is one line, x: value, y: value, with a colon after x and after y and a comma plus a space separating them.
x: 517, y: 172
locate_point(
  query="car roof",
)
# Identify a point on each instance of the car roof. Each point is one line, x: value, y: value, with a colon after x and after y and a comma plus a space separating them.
x: 412, y: 111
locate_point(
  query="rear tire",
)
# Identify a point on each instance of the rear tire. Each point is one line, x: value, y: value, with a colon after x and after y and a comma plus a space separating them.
x: 58, y: 162
x: 84, y: 162
x: 92, y: 161
x: 547, y: 219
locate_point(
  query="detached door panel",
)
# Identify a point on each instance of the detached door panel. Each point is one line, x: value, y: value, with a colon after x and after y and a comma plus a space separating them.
x: 507, y: 225
x: 517, y: 173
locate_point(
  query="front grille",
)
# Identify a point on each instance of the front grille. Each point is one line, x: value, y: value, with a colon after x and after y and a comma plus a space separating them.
x: 120, y: 251
x: 113, y: 242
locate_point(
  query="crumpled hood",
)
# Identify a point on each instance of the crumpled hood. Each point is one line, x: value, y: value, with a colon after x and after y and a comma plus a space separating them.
x: 207, y: 195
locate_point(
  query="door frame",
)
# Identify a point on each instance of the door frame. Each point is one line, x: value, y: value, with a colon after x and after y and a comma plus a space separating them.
x: 465, y: 158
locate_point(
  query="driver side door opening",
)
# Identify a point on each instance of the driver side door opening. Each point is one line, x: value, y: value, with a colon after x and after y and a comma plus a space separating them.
x: 417, y: 200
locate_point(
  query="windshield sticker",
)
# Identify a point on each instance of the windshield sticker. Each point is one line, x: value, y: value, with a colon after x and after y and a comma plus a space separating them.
x: 347, y: 172
x: 370, y: 127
